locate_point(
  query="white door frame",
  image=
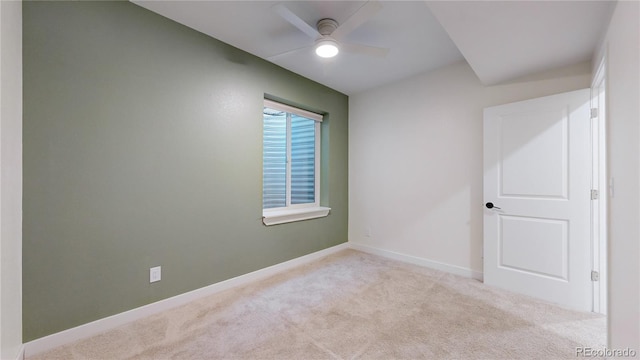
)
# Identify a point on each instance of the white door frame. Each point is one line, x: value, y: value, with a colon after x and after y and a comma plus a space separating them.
x: 599, y: 217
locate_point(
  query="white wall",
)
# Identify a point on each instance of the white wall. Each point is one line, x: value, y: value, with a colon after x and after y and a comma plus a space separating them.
x: 10, y: 179
x: 415, y: 160
x: 622, y: 48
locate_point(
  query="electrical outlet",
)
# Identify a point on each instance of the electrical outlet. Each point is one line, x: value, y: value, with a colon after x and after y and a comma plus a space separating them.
x: 155, y: 274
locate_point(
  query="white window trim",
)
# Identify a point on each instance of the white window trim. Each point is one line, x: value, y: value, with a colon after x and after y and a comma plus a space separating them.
x: 286, y: 215
x: 294, y: 110
x: 297, y: 212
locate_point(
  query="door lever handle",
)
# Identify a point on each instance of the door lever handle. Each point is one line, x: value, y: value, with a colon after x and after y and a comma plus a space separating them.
x: 490, y: 205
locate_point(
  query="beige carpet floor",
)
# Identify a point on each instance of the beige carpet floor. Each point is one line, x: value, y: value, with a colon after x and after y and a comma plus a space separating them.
x: 352, y: 305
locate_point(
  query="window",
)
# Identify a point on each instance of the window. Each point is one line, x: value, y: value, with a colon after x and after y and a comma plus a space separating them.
x: 290, y: 164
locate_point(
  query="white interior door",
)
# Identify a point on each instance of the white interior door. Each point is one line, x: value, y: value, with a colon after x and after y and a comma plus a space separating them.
x: 537, y: 176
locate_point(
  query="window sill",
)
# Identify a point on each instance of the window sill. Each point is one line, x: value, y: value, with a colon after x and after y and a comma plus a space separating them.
x: 274, y: 217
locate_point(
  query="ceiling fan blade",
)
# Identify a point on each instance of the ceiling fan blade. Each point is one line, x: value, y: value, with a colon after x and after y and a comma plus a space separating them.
x: 294, y: 20
x: 288, y: 52
x: 364, y: 49
x: 366, y: 12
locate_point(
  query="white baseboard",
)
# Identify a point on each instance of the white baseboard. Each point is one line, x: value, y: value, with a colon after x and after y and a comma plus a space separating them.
x: 20, y: 353
x: 453, y: 269
x: 99, y: 326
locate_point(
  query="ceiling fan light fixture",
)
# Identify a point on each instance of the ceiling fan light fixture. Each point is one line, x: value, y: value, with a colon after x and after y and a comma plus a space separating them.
x: 327, y: 48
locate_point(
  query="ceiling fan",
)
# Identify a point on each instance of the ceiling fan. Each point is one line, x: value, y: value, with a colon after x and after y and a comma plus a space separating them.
x: 328, y: 34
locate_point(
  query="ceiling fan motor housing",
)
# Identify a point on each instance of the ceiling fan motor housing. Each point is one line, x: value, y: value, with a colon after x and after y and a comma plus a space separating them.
x: 326, y: 26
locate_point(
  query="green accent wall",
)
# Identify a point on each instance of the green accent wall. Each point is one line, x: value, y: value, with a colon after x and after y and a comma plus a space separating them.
x: 143, y: 147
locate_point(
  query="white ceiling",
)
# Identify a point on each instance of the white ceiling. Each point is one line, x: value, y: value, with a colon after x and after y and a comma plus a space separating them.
x: 501, y: 40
